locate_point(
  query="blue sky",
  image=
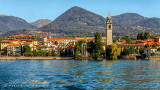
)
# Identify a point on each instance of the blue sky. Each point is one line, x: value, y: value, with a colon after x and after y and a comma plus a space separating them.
x: 32, y: 10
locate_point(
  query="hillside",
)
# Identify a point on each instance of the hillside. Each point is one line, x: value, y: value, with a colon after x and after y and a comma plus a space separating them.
x: 74, y: 21
x: 80, y: 22
x: 133, y: 19
x: 41, y: 22
x: 14, y: 23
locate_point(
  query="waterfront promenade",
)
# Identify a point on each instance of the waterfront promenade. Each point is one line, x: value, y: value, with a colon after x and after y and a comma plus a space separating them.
x: 34, y: 58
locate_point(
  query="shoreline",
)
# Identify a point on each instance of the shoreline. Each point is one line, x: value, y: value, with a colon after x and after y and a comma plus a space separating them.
x: 34, y: 58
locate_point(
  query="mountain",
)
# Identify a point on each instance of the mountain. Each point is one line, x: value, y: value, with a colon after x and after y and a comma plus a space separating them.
x: 14, y: 23
x: 74, y: 21
x: 41, y: 22
x: 133, y: 19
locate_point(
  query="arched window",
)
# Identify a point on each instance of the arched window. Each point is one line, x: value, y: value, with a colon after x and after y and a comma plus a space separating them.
x: 109, y: 26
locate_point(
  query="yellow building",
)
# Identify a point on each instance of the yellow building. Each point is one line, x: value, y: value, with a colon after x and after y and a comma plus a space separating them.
x: 4, y: 44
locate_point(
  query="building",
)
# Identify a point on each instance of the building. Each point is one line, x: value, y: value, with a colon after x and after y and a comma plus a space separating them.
x: 109, y: 31
x: 14, y: 49
x: 149, y: 51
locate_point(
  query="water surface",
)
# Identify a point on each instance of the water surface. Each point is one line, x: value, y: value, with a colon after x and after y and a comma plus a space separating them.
x: 79, y: 75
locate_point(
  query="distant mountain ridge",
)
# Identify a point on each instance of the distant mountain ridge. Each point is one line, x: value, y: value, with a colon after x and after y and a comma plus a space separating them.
x: 41, y: 22
x: 14, y: 23
x: 79, y: 20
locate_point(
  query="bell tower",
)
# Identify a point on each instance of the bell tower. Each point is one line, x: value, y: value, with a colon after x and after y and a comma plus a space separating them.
x: 109, y: 30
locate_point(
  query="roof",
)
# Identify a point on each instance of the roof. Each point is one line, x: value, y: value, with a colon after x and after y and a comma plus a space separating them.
x: 13, y: 44
x: 130, y: 44
x: 71, y: 46
x: 150, y: 48
x: 22, y: 36
x: 26, y: 43
x: 6, y: 41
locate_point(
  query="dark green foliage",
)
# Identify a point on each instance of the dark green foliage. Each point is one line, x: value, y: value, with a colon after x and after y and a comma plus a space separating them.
x: 62, y: 52
x: 158, y: 49
x: 90, y: 47
x: 127, y: 51
x: 147, y: 35
x: 28, y: 54
x: 26, y: 48
x: 142, y: 36
x: 108, y: 50
x: 154, y: 45
x: 141, y: 50
x: 41, y: 53
x: 78, y: 46
x: 128, y: 41
x: 146, y: 46
x: 97, y: 45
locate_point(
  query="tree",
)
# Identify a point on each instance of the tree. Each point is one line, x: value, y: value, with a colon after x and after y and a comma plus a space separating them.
x: 146, y: 35
x: 62, y: 52
x: 142, y: 36
x: 40, y: 53
x: 90, y: 47
x: 115, y: 51
x: 141, y: 50
x: 146, y: 46
x: 158, y: 49
x: 128, y: 41
x: 125, y: 51
x: 154, y: 45
x: 97, y: 46
x: 78, y: 46
x: 26, y: 48
x: 131, y: 50
x: 138, y: 36
x: 49, y: 53
x: 108, y: 50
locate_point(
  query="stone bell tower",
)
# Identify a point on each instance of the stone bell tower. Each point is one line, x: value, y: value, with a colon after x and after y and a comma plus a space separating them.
x: 109, y: 30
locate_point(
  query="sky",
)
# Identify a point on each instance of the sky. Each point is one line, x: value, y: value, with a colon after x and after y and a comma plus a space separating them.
x: 32, y: 10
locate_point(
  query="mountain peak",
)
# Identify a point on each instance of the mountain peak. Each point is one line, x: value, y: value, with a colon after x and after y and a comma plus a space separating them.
x: 2, y: 15
x: 41, y: 22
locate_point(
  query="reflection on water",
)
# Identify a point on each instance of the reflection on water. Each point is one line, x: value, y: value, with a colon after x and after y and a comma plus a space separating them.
x: 76, y: 74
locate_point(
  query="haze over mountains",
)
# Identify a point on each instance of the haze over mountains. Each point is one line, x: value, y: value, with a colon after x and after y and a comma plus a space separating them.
x: 78, y: 21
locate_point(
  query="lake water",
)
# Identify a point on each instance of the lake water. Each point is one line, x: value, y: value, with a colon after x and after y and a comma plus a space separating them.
x: 79, y: 75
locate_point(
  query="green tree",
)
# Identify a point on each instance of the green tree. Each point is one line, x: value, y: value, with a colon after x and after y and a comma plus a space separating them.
x: 128, y: 41
x: 62, y: 52
x: 154, y: 45
x: 26, y: 48
x: 49, y: 53
x: 108, y: 51
x: 146, y: 35
x: 146, y: 46
x: 125, y: 51
x: 40, y: 53
x: 131, y: 50
x: 78, y: 46
x: 142, y: 36
x: 158, y: 49
x: 97, y: 46
x: 141, y: 50
x: 90, y: 47
x: 138, y: 36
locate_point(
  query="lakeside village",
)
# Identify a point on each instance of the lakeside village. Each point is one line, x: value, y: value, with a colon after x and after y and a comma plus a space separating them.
x: 144, y: 47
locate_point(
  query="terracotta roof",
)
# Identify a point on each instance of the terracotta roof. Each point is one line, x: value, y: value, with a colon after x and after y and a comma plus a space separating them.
x: 150, y: 43
x: 6, y: 41
x: 26, y: 43
x: 13, y: 44
x: 22, y: 35
x: 157, y: 37
x: 71, y: 46
x: 130, y: 44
